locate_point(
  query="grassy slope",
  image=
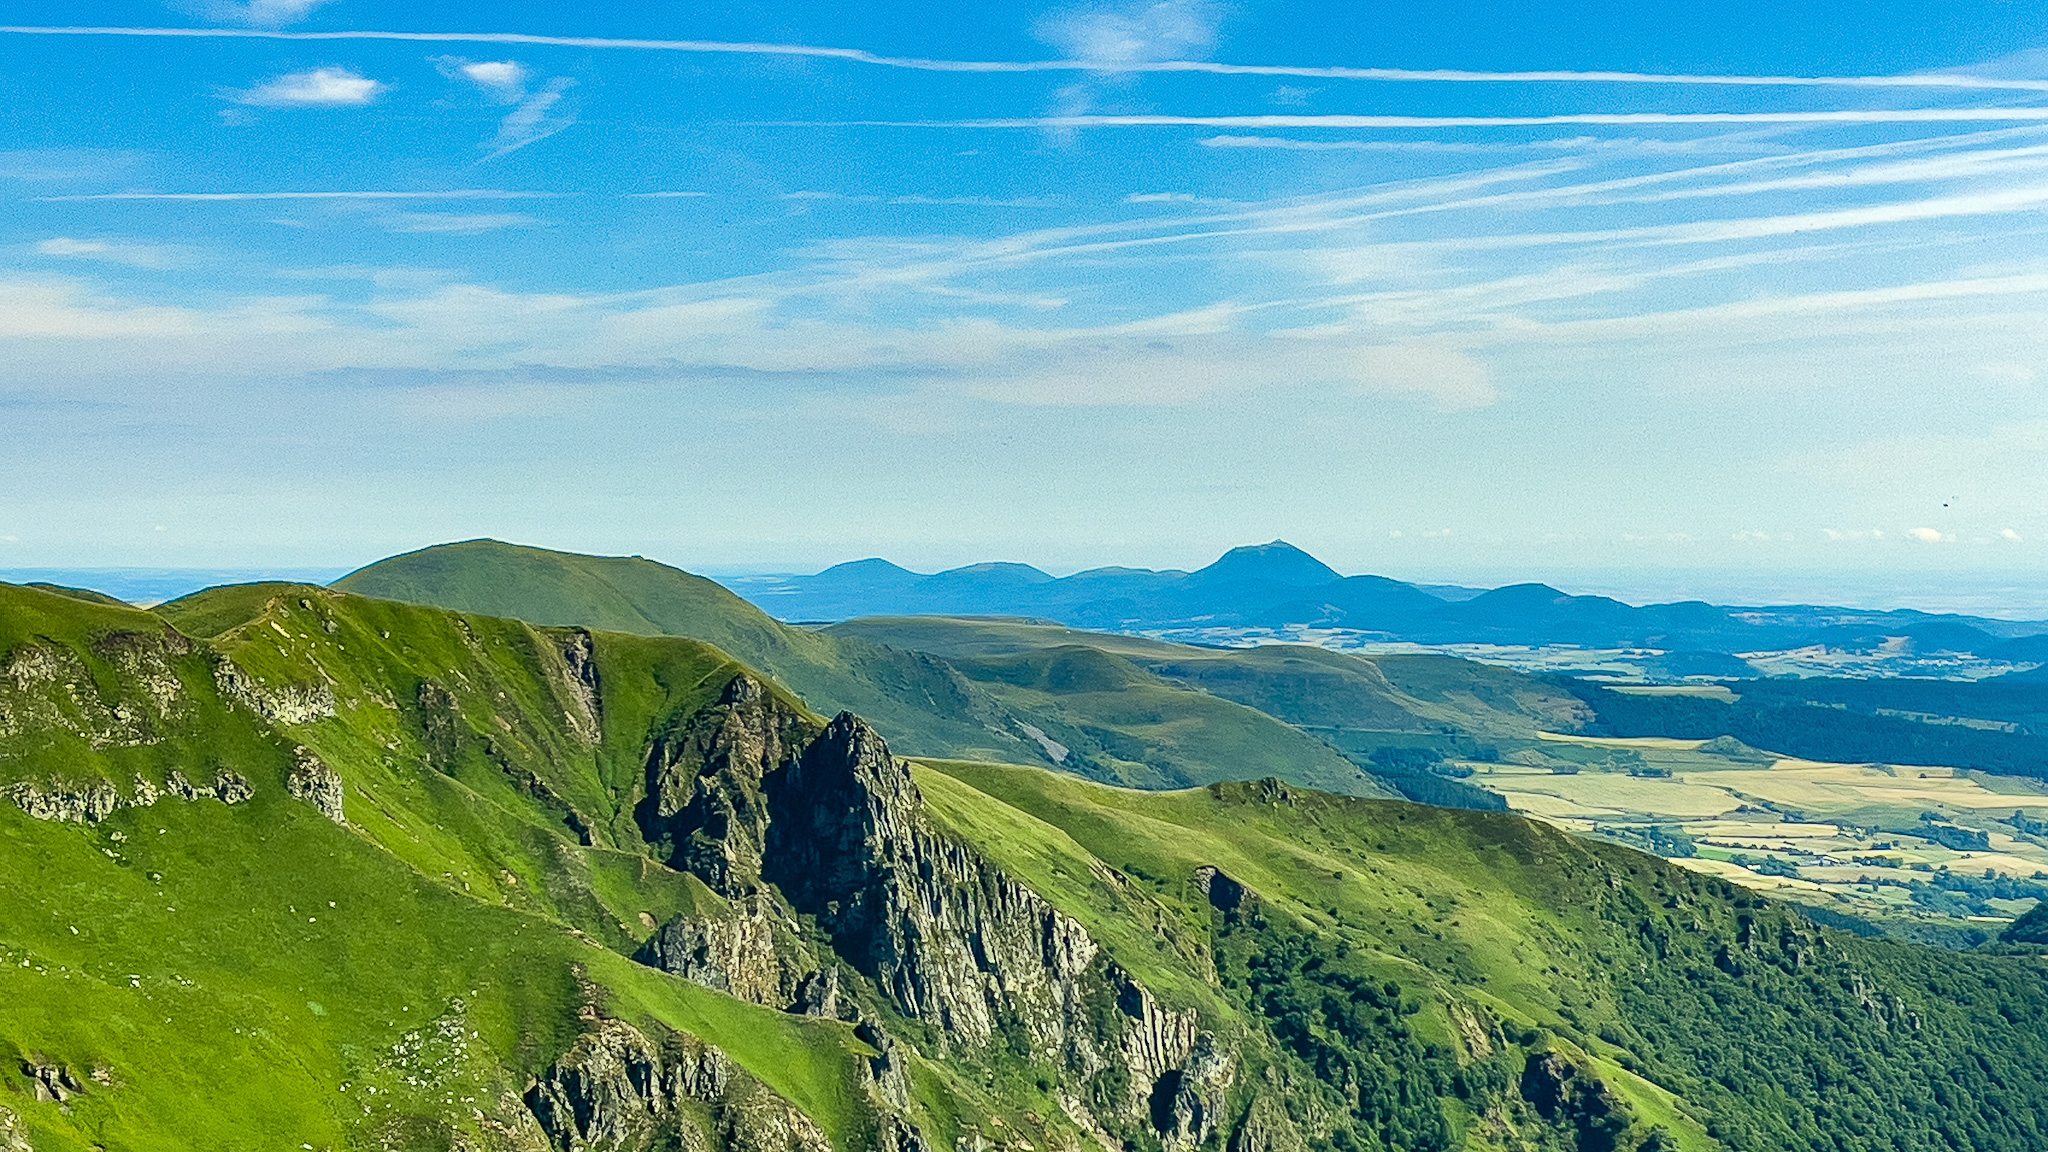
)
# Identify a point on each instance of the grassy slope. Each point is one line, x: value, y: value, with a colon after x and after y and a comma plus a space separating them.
x: 1305, y: 686
x: 198, y: 956
x: 1146, y: 732
x: 1467, y: 908
x: 1771, y: 1032
x: 1143, y: 731
x: 1455, y: 897
x: 919, y: 702
x: 234, y: 967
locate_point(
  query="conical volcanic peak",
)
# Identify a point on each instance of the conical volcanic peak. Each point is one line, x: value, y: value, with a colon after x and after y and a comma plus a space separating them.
x: 1278, y: 563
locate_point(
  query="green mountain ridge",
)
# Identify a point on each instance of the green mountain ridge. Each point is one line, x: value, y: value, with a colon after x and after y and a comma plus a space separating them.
x: 1148, y: 734
x: 352, y: 873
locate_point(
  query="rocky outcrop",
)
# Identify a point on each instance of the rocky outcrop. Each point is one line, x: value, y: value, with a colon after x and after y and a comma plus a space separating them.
x: 944, y: 934
x: 1188, y: 1103
x: 750, y: 797
x: 13, y: 1133
x: 52, y: 1082
x: 576, y: 678
x: 738, y: 953
x: 48, y: 687
x: 313, y: 781
x: 1574, y: 1098
x: 1155, y: 1041
x: 1225, y: 894
x: 616, y: 1090
x: 227, y: 787
x: 279, y: 704
x: 89, y: 802
x: 704, y: 810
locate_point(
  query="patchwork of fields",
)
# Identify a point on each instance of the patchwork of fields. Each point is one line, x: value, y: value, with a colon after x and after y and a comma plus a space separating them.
x: 1867, y: 838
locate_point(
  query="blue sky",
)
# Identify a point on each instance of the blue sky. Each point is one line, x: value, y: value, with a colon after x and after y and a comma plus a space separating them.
x: 1468, y: 291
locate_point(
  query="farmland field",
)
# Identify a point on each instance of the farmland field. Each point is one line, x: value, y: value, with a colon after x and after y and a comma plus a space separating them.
x: 1926, y: 843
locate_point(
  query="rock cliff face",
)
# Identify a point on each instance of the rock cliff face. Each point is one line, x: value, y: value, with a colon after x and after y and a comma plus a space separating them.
x: 773, y: 813
x: 48, y: 687
x: 313, y: 781
x: 704, y: 809
x: 748, y: 954
x: 617, y: 1089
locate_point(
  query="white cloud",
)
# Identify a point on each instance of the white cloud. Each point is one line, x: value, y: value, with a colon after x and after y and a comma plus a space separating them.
x: 1838, y: 534
x: 1929, y: 535
x: 1750, y: 536
x: 1133, y: 33
x: 151, y: 256
x: 318, y: 88
x: 503, y: 81
x: 2009, y: 534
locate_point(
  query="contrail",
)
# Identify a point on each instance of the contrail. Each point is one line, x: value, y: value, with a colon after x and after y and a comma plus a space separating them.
x: 459, y: 194
x: 859, y: 56
x: 1898, y: 116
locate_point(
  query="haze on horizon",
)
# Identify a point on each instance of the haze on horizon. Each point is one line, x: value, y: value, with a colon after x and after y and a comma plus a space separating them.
x: 1062, y: 284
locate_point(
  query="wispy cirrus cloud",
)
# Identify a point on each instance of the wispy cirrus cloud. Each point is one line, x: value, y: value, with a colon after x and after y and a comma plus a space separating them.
x: 1112, y: 38
x: 316, y: 88
x: 534, y: 120
x: 455, y: 223
x: 259, y: 13
x: 156, y: 257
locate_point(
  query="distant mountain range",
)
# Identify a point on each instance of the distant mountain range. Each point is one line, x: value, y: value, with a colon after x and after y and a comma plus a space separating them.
x: 1277, y: 585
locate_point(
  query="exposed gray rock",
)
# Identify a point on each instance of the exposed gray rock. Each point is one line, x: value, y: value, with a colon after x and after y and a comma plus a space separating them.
x: 577, y: 677
x: 1198, y: 1095
x: 617, y: 1090
x: 48, y: 687
x: 86, y: 803
x: 893, y: 1134
x: 889, y: 1069
x: 836, y: 825
x: 143, y: 660
x: 279, y: 704
x: 607, y: 1092
x: 311, y: 780
x: 948, y: 937
x: 93, y: 801
x: 737, y: 953
x: 13, y: 1133
x: 704, y: 808
x: 1224, y: 893
x: 227, y: 787
x: 50, y: 1081
x: 1156, y: 1041
x: 818, y: 994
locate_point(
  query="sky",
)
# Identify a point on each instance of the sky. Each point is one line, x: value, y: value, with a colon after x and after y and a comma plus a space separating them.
x: 1459, y: 291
